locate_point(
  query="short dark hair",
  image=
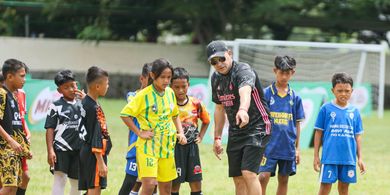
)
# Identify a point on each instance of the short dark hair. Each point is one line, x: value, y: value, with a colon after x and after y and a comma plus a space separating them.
x: 146, y: 69
x: 11, y: 66
x: 95, y: 73
x: 158, y: 66
x: 341, y: 77
x: 63, y: 77
x: 180, y: 73
x: 285, y: 63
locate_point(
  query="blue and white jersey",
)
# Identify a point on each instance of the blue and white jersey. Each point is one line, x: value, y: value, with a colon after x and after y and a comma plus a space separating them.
x: 339, y: 126
x: 132, y: 136
x: 285, y: 111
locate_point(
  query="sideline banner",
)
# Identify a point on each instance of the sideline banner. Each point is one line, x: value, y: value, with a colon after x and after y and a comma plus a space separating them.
x: 361, y: 95
x: 311, y: 105
x: 39, y: 95
x: 199, y: 88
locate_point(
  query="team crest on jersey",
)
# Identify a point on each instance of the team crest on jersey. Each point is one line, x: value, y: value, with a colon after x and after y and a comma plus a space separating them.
x: 351, y: 173
x: 154, y: 108
x: 76, y: 116
x: 351, y: 115
x: 333, y: 115
x: 272, y: 101
x: 291, y: 103
x: 218, y: 88
x: 12, y: 103
x: 230, y: 86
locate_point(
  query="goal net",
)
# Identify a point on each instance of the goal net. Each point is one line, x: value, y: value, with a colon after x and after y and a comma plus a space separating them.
x: 317, y: 62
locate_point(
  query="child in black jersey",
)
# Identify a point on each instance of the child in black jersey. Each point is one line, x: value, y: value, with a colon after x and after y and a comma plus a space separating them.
x: 62, y: 134
x: 97, y: 145
x: 13, y: 142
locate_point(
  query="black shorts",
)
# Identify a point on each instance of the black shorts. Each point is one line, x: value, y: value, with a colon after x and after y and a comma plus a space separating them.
x: 245, y: 153
x: 187, y: 161
x: 89, y: 177
x: 68, y: 163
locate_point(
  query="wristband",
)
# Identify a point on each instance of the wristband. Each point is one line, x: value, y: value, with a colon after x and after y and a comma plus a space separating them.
x: 244, y: 109
x: 217, y: 138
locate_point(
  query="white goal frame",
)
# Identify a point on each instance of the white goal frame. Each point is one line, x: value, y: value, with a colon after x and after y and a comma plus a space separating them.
x: 364, y: 48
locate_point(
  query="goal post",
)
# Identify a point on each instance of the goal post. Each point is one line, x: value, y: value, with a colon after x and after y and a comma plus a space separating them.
x: 317, y: 61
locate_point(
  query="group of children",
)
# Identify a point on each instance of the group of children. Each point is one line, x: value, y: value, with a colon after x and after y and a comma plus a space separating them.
x: 157, y: 116
x: 73, y: 126
x: 338, y: 161
x: 77, y: 137
x: 164, y: 134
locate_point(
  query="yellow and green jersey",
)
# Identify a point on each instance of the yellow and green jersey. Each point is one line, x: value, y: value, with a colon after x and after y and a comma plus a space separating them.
x: 155, y: 111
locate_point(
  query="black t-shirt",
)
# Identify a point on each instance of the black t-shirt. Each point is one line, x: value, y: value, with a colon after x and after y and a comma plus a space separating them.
x: 65, y: 117
x: 225, y: 91
x: 94, y: 125
x: 10, y: 120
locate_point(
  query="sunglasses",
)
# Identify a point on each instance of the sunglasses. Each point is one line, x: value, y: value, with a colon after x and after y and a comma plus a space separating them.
x: 214, y: 61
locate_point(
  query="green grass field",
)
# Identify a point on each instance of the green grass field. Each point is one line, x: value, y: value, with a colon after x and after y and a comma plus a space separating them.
x: 376, y: 154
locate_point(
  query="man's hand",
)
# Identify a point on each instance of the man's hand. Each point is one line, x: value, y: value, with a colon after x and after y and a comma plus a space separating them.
x: 242, y: 118
x: 146, y: 134
x: 217, y: 148
x: 181, y: 138
x: 316, y: 164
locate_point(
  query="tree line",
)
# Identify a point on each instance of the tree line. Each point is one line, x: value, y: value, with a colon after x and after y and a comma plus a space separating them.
x: 202, y: 20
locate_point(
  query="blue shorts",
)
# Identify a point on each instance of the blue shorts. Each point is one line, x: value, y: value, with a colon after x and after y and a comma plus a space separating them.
x: 131, y: 167
x: 286, y: 167
x: 331, y: 173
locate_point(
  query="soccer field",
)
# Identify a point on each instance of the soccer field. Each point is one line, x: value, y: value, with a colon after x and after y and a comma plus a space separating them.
x: 375, y: 144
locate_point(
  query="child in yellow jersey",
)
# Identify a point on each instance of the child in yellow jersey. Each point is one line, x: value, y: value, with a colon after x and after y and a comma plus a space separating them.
x: 187, y: 158
x: 157, y: 113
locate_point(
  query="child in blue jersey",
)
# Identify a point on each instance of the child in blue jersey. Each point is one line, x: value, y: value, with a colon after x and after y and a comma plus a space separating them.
x: 131, y: 166
x: 286, y: 112
x: 338, y: 128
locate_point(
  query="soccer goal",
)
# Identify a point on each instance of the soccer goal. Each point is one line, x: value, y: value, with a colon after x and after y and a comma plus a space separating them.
x: 318, y: 61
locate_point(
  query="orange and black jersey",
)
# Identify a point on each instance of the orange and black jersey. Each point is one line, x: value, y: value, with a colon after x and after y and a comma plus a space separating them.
x: 189, y: 113
x: 93, y: 127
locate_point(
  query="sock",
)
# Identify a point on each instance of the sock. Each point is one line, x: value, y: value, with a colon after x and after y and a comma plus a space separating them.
x: 74, y: 186
x: 133, y: 193
x: 196, y: 193
x: 21, y: 191
x: 59, y: 183
x: 174, y: 193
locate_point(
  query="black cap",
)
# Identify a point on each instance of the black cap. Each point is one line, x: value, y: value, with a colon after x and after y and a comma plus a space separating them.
x: 216, y: 49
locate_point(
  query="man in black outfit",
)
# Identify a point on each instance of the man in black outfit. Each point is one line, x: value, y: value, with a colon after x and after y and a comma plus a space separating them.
x: 237, y: 92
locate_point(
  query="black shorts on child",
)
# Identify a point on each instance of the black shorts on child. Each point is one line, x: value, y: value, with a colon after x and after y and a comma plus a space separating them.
x: 187, y: 161
x: 89, y: 177
x: 68, y: 163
